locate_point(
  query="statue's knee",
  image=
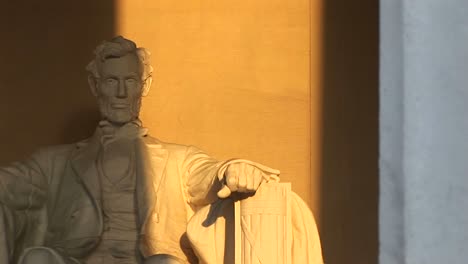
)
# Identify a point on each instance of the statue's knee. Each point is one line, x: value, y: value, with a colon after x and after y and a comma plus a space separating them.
x: 37, y: 256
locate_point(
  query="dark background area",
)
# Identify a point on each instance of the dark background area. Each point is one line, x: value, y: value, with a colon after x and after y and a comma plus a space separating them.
x: 44, y: 49
x: 349, y: 193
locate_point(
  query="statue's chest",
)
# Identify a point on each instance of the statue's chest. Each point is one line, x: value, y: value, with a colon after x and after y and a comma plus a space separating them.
x: 117, y: 175
x: 116, y: 163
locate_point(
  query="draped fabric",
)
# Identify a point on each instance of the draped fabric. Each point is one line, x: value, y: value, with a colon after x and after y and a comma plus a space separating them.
x: 209, y: 232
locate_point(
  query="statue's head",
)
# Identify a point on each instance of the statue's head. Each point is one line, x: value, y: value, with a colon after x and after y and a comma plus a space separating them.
x: 119, y: 76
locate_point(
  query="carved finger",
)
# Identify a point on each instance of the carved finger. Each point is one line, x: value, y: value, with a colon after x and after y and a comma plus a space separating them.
x: 232, y: 181
x: 258, y: 180
x: 225, y: 192
x: 251, y: 182
x: 242, y: 185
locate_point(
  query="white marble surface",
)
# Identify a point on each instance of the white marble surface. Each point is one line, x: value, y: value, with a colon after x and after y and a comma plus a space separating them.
x: 424, y: 131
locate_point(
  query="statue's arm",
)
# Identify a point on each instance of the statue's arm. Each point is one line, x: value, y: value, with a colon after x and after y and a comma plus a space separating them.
x: 207, y: 178
x: 200, y: 173
x: 23, y: 184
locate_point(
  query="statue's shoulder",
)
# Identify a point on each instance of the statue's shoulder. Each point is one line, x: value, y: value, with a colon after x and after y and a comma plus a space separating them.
x: 56, y: 150
x: 172, y: 147
x: 53, y: 153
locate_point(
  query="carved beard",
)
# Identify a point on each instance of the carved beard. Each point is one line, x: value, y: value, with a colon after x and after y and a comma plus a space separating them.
x: 119, y: 115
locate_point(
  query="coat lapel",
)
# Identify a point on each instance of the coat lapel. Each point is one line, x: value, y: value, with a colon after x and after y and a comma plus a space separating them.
x: 84, y: 165
x: 151, y: 160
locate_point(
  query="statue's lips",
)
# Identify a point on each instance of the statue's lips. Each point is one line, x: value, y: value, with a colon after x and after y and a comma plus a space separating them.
x: 119, y: 105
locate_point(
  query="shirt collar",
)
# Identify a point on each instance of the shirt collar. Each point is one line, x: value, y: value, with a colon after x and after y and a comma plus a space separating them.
x: 130, y: 130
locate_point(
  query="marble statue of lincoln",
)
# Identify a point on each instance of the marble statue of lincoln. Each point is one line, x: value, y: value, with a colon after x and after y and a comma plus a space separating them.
x: 120, y: 196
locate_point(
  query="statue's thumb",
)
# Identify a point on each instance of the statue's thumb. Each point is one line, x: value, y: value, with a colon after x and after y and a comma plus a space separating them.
x: 225, y: 192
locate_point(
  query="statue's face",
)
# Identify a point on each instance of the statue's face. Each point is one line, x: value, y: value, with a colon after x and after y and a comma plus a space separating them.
x: 119, y: 89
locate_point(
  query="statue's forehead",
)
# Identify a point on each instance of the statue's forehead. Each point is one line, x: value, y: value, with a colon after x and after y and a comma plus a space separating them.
x: 120, y: 65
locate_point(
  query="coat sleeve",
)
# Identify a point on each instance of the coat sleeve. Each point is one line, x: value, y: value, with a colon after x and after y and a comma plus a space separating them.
x: 201, y: 177
x: 23, y: 184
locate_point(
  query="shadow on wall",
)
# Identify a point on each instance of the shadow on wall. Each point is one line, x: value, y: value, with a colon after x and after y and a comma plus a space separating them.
x: 349, y: 194
x: 45, y: 46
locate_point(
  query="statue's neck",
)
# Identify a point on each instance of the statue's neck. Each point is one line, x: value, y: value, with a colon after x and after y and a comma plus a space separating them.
x: 117, y: 125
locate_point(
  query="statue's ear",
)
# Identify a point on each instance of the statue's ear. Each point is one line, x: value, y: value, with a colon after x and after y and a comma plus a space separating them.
x: 147, y: 86
x: 92, y: 81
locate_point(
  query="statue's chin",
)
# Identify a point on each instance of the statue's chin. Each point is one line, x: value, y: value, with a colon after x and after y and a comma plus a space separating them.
x: 119, y: 114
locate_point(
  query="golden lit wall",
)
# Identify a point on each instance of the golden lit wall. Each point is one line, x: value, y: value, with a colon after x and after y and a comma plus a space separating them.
x: 232, y: 77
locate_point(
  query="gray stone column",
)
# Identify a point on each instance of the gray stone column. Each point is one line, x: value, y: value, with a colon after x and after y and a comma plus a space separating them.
x: 424, y: 132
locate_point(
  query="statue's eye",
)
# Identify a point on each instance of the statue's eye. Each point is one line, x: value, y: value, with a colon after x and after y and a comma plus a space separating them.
x: 111, y: 81
x: 130, y: 81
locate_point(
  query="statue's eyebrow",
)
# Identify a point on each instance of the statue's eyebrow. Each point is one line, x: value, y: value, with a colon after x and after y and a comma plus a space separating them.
x: 110, y: 56
x: 109, y: 76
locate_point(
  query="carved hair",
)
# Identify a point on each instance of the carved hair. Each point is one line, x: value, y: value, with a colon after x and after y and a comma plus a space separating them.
x: 116, y: 48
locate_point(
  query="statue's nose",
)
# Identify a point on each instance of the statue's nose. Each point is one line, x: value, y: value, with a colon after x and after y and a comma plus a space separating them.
x: 122, y: 90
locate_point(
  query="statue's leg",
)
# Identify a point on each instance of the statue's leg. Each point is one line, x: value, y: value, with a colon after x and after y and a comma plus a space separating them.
x: 44, y: 255
x: 11, y: 226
